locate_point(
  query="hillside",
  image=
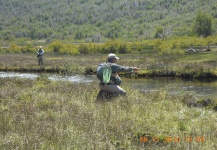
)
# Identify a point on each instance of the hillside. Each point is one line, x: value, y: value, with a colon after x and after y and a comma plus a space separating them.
x: 95, y: 20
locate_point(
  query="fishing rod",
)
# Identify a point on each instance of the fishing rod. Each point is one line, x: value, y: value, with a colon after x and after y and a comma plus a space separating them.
x: 151, y: 67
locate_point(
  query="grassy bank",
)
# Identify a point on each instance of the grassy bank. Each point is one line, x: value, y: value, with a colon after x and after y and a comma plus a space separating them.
x: 43, y: 114
x: 188, y: 65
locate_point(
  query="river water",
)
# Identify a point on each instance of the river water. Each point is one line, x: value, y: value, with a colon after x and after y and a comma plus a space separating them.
x: 204, y: 89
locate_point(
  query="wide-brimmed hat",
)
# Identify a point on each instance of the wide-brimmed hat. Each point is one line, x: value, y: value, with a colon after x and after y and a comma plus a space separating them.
x: 113, y: 56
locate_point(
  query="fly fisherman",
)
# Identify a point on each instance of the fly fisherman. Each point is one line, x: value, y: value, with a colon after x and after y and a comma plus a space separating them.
x: 40, y: 53
x: 113, y: 83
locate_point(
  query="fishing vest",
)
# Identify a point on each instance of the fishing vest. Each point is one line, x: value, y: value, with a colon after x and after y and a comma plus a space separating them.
x: 105, y: 74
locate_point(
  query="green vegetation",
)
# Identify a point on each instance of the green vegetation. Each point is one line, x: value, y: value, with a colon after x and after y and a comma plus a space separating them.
x: 43, y: 114
x: 100, y: 20
x: 77, y: 35
x: 165, y: 61
x: 171, y: 46
x: 202, y: 25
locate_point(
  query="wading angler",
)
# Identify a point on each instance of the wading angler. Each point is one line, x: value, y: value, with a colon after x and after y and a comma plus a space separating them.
x: 110, y: 81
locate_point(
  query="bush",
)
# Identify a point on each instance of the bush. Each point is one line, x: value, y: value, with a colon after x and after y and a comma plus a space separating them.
x: 71, y: 49
x: 168, y: 47
x: 123, y: 48
x: 28, y: 48
x: 55, y: 46
x: 84, y: 49
x: 14, y: 48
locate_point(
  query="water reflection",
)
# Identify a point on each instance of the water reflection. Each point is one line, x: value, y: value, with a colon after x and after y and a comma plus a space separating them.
x: 19, y: 75
x: 202, y: 88
x: 75, y: 78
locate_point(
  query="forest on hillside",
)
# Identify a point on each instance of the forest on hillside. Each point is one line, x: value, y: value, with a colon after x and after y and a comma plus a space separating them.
x: 96, y: 20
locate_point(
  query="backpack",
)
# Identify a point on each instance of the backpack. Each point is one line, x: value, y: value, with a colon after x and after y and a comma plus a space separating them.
x: 104, y: 72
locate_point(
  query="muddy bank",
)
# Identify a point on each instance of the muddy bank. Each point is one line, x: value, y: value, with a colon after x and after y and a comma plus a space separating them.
x: 195, y: 75
x: 171, y: 74
x: 192, y: 102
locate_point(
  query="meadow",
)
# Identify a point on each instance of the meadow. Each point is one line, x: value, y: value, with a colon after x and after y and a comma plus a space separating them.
x: 45, y: 114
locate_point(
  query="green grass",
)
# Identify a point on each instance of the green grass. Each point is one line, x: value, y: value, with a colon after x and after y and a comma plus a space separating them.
x: 195, y: 65
x: 44, y: 114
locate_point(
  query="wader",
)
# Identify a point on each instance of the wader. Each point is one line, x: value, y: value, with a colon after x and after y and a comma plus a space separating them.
x: 40, y: 60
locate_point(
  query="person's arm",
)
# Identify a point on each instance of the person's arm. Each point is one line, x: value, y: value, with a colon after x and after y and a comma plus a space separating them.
x: 117, y: 68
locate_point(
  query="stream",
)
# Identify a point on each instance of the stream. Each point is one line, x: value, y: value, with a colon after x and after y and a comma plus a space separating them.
x: 200, y: 88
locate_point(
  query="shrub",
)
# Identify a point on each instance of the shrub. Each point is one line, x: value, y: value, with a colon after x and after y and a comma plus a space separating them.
x: 14, y: 48
x: 110, y: 47
x: 84, y: 49
x: 123, y: 48
x: 28, y: 48
x: 71, y: 49
x: 55, y: 46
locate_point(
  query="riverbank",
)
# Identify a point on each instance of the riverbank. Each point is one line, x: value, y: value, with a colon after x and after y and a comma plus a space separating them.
x: 195, y: 75
x: 45, y: 114
x: 189, y: 65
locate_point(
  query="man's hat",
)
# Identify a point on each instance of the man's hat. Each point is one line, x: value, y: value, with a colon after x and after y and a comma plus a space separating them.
x: 112, y: 56
x: 40, y: 46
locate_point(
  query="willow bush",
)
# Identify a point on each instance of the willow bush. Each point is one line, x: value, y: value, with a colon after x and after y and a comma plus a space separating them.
x: 171, y: 45
x: 69, y: 49
x: 55, y: 46
x: 28, y: 48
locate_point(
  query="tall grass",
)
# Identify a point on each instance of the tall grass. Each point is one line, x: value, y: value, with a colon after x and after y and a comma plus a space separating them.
x: 44, y: 114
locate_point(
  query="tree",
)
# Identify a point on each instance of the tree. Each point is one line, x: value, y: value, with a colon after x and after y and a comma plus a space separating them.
x: 159, y: 32
x: 163, y: 32
x: 202, y: 25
